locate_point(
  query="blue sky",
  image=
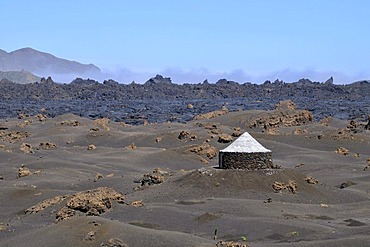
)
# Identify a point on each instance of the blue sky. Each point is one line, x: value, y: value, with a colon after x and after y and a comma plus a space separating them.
x: 193, y: 40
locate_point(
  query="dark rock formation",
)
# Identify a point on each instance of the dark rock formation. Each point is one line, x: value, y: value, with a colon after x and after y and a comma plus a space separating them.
x: 158, y: 79
x: 159, y: 100
x: 329, y: 81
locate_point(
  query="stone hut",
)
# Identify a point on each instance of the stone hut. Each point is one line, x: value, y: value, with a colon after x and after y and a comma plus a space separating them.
x: 245, y: 153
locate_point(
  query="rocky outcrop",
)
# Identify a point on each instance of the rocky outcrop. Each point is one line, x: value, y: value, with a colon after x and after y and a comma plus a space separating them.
x: 290, y: 186
x: 159, y: 101
x: 23, y: 171
x: 26, y: 148
x: 47, y: 145
x: 158, y: 79
x: 342, y: 151
x: 285, y: 105
x: 156, y: 177
x: 91, y: 202
x: 225, y: 138
x: 212, y: 114
x: 285, y: 115
x: 13, y: 136
x: 204, y: 149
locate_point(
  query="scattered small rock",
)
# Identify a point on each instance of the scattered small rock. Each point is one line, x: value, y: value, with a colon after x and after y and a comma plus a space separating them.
x: 268, y: 200
x: 113, y: 242
x: 342, y: 151
x: 23, y: 171
x: 24, y: 124
x: 212, y: 114
x: 323, y: 205
x: 204, y: 149
x: 290, y: 186
x: 216, y: 131
x: 156, y: 177
x: 45, y: 204
x: 368, y: 165
x: 91, y: 147
x: 13, y: 136
x: 137, y: 204
x: 104, y: 122
x: 132, y: 146
x: 47, y: 145
x: 22, y: 115
x: 205, y: 171
x: 346, y: 184
x: 190, y: 106
x: 299, y: 131
x: 98, y: 176
x: 285, y: 105
x: 272, y: 131
x: 186, y: 135
x: 183, y: 135
x: 26, y: 148
x: 41, y: 117
x: 225, y: 138
x: 2, y: 227
x: 73, y: 123
x: 231, y: 244
x: 311, y: 180
x: 236, y: 133
x: 158, y: 139
x: 299, y: 165
x: 90, y: 236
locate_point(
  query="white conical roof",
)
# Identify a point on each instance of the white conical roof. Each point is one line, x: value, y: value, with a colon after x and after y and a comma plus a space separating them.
x: 245, y: 144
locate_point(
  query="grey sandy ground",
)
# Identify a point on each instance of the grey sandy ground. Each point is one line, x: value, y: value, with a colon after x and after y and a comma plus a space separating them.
x: 195, y: 198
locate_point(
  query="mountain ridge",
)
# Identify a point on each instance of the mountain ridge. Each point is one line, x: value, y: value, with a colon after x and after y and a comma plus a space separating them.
x: 42, y: 63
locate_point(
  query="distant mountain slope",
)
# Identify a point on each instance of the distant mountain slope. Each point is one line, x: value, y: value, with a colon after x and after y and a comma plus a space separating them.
x: 22, y: 77
x: 42, y: 63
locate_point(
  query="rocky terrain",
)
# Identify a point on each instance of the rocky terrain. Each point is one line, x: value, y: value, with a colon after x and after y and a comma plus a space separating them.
x: 160, y: 100
x: 74, y: 181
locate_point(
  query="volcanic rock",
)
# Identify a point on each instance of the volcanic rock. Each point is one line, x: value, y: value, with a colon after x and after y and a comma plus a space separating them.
x: 47, y: 145
x: 286, y: 105
x: 113, y: 242
x: 204, y: 149
x: 90, y: 202
x: 26, y: 148
x: 13, y: 136
x: 225, y: 138
x: 290, y: 186
x: 23, y: 171
x: 158, y: 79
x: 212, y: 114
x: 91, y: 147
x: 342, y: 151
